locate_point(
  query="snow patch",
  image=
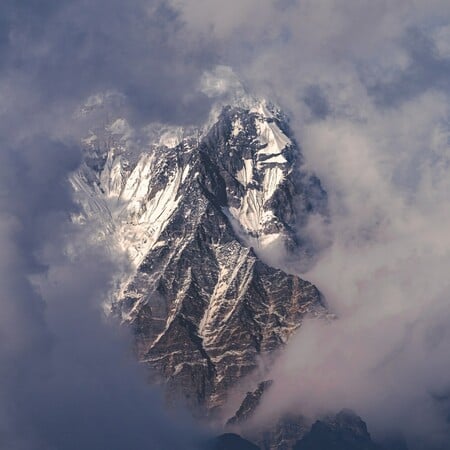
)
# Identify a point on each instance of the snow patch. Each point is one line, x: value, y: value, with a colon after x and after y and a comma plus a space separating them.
x: 245, y: 175
x: 272, y: 179
x: 273, y: 139
x: 145, y: 217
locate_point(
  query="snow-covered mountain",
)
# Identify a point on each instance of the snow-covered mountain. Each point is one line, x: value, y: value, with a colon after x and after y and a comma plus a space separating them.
x: 201, y: 214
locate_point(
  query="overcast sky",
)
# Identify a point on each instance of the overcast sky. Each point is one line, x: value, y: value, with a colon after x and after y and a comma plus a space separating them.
x: 366, y: 84
x: 67, y: 379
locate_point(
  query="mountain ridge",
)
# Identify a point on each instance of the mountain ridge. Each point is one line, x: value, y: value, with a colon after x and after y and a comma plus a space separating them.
x: 194, y: 210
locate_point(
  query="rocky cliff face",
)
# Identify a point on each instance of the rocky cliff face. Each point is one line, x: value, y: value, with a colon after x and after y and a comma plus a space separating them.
x: 197, y: 212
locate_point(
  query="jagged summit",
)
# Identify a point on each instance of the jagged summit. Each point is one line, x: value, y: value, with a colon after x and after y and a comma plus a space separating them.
x: 194, y: 209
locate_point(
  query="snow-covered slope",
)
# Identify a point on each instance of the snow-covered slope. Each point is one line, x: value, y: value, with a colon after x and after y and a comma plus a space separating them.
x: 193, y: 209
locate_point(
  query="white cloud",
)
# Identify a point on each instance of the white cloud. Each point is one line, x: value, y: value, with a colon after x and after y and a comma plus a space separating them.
x: 378, y: 137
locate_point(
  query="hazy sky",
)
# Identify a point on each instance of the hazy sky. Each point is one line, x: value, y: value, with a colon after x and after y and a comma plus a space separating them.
x: 367, y: 87
x: 67, y: 380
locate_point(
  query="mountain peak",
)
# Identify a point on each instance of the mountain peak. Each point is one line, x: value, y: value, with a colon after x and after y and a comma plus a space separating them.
x: 195, y: 211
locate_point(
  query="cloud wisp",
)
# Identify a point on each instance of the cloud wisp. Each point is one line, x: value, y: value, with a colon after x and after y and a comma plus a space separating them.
x: 366, y: 85
x: 68, y: 380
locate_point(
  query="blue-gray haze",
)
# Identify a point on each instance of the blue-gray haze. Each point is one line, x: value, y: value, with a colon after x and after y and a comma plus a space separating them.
x: 366, y: 84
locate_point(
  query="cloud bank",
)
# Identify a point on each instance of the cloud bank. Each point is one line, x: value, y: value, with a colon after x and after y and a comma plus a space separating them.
x: 67, y: 378
x: 366, y: 85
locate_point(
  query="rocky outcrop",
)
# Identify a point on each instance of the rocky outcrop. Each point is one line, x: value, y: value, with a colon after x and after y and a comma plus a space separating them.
x: 230, y: 441
x: 249, y: 404
x: 345, y: 431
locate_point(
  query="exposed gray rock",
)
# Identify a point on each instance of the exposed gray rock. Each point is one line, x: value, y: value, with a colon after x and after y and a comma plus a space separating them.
x: 345, y: 431
x: 250, y: 404
x: 283, y: 434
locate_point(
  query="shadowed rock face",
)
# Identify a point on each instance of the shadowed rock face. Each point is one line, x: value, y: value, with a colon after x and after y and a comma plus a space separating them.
x: 282, y: 434
x: 345, y: 431
x: 194, y: 218
x: 230, y: 441
x: 250, y: 403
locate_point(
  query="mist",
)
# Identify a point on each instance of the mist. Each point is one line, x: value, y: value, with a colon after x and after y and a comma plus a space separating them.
x: 384, y: 275
x: 366, y: 86
x: 68, y: 377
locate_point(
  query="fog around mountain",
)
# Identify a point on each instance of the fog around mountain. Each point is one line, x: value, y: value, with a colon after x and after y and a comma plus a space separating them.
x: 366, y: 87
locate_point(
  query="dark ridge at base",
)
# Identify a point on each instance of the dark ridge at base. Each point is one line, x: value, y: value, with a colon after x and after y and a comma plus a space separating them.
x: 345, y: 431
x: 230, y: 441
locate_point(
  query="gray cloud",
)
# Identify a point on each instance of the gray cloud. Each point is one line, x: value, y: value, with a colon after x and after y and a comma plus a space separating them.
x: 67, y: 379
x: 425, y: 70
x: 70, y: 50
x: 366, y: 84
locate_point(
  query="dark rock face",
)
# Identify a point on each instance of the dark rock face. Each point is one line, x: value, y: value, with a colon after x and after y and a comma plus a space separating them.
x: 250, y: 404
x: 194, y: 217
x: 230, y: 441
x: 283, y: 434
x: 345, y: 431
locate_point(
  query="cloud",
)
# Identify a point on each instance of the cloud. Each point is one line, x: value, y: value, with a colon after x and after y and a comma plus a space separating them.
x: 67, y: 376
x: 70, y: 50
x: 67, y: 379
x: 384, y: 274
x: 366, y: 86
